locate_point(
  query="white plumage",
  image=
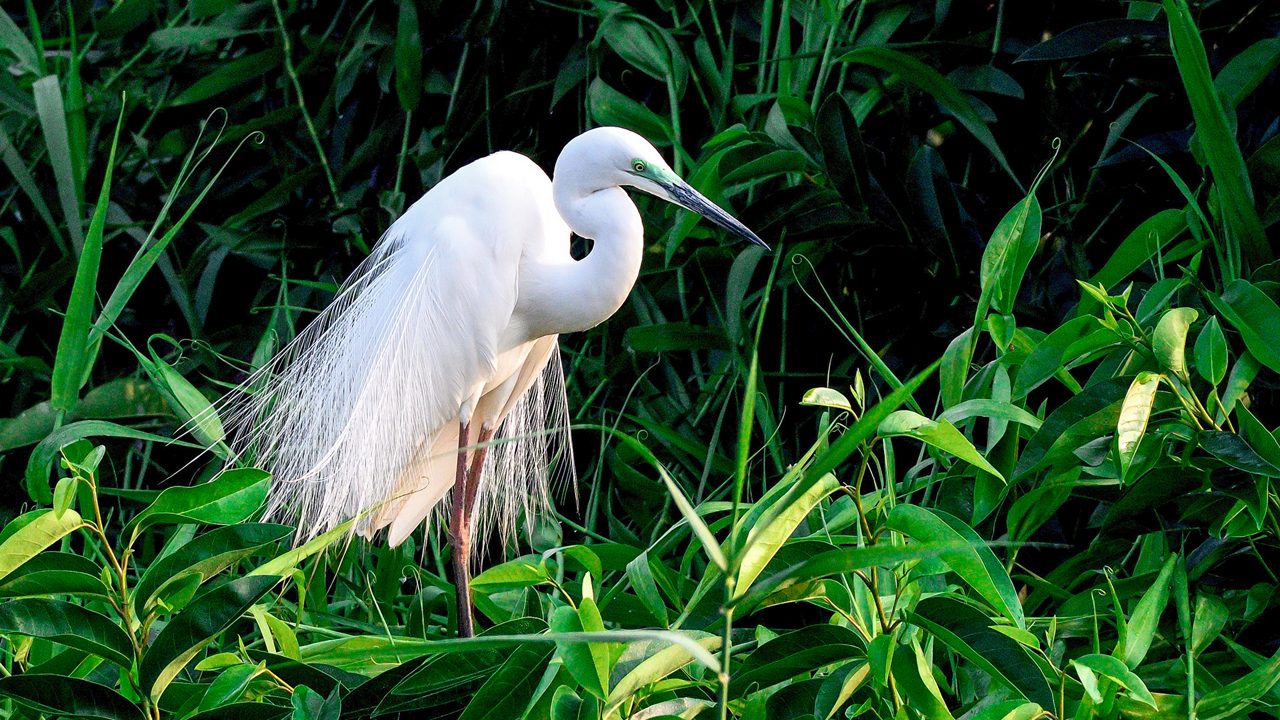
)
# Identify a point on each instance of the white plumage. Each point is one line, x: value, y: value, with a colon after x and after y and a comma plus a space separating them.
x: 449, y: 325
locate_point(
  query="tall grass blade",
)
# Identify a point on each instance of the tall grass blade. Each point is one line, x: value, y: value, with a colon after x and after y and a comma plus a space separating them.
x: 53, y: 124
x: 1216, y: 137
x: 71, y: 364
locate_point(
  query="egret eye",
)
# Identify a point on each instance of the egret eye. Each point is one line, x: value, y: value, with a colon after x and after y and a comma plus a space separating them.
x: 637, y: 165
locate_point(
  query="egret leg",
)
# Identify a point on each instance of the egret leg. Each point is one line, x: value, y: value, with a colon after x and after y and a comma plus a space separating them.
x: 460, y: 537
x: 467, y: 484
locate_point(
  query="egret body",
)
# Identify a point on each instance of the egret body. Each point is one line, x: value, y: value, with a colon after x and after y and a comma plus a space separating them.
x: 447, y: 335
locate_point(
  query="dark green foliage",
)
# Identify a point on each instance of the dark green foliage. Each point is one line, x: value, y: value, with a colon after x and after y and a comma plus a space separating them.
x: 991, y: 434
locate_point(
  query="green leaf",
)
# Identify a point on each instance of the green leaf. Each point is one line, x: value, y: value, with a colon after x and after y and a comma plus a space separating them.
x: 1135, y: 411
x: 42, y: 529
x: 940, y: 434
x: 675, y: 336
x: 197, y: 625
x: 840, y: 562
x: 408, y: 57
x: 654, y: 667
x: 508, y: 691
x: 1255, y: 316
x: 69, y: 624
x: 583, y: 661
x: 55, y: 573
x: 994, y: 409
x: 1217, y: 138
x: 53, y: 126
x: 967, y: 631
x: 1232, y: 699
x: 42, y: 456
x: 229, y: 76
x: 764, y: 541
x: 203, y: 558
x: 1147, y: 240
x: 227, y: 499
x: 936, y: 86
x: 521, y: 572
x: 1211, y: 351
x: 1116, y: 671
x: 1145, y: 620
x: 1006, y: 257
x: 795, y: 653
x: 1169, y: 342
x: 63, y: 696
x: 70, y: 363
x: 610, y: 107
x: 1244, y: 72
x: 975, y: 563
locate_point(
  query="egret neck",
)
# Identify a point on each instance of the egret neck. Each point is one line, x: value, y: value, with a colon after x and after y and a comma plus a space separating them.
x: 563, y: 295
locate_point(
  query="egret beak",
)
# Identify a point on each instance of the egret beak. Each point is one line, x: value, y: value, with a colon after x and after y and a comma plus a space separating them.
x: 679, y: 192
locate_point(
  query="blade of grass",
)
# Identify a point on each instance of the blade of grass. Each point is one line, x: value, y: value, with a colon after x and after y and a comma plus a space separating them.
x: 1216, y: 137
x: 53, y: 125
x: 71, y: 363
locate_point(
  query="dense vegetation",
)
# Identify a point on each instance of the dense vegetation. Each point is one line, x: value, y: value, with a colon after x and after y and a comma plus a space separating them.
x: 991, y: 434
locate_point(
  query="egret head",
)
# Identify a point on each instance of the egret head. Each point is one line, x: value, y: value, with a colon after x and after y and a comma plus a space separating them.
x: 626, y: 158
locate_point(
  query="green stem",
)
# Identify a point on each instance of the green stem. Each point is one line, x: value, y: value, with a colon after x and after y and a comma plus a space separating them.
x: 302, y: 103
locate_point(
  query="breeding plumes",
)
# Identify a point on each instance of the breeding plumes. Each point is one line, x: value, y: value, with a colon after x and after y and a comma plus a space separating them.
x: 434, y: 376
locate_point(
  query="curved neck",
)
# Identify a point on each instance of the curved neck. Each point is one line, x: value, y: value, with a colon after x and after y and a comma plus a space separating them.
x: 571, y: 296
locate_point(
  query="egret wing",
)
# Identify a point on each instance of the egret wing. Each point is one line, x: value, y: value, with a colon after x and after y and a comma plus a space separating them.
x: 339, y: 413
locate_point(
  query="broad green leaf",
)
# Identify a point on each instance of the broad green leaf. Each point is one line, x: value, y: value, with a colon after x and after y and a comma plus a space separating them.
x: 940, y: 434
x: 610, y: 107
x: 514, y: 574
x: 62, y: 696
x: 1009, y: 710
x: 839, y: 686
x: 1211, y: 616
x: 1216, y: 135
x: 227, y: 499
x: 975, y: 563
x: 1211, y: 351
x: 653, y: 668
x: 1006, y: 257
x: 1169, y: 342
x: 582, y: 661
x: 287, y: 562
x: 1115, y: 670
x: 70, y: 624
x: 1244, y: 72
x: 1087, y: 416
x: 229, y: 76
x: 967, y: 631
x: 1255, y: 316
x: 508, y: 691
x: 840, y: 562
x: 913, y: 676
x: 763, y: 542
x: 1260, y: 439
x: 1145, y: 620
x: 1234, y: 698
x: 204, y: 557
x: 193, y: 628
x: 828, y: 398
x: 55, y: 573
x: 994, y: 409
x: 795, y: 653
x: 1146, y: 241
x: 408, y: 58
x: 1135, y: 411
x: 42, y: 529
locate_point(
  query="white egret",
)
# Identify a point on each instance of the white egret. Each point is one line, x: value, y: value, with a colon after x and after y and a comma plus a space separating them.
x: 447, y: 335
